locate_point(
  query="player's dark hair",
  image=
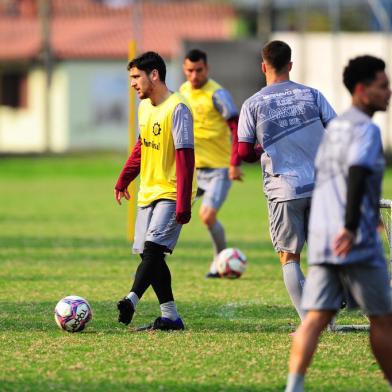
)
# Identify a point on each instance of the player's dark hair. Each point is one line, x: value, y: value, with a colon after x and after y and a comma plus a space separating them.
x: 149, y: 61
x: 362, y: 69
x: 277, y: 54
x: 196, y: 55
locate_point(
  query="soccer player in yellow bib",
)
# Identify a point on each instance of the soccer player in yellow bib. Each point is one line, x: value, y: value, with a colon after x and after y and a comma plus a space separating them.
x: 215, y: 128
x: 164, y: 157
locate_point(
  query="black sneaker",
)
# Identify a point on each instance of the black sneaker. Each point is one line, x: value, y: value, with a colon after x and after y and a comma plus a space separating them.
x: 212, y: 275
x: 163, y: 324
x: 126, y: 309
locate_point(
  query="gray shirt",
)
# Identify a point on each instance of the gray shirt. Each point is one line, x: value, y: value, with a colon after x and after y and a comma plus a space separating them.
x: 224, y: 104
x: 182, y: 127
x: 352, y: 139
x: 288, y: 120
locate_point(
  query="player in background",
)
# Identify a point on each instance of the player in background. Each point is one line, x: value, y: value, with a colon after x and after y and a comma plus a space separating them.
x: 215, y: 129
x: 345, y: 252
x: 164, y: 157
x: 286, y: 121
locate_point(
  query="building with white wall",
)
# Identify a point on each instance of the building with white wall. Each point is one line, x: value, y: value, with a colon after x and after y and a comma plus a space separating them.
x: 319, y: 60
x: 85, y: 103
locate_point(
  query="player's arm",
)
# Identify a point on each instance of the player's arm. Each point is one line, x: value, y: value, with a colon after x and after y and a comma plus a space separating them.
x: 235, y: 172
x: 362, y: 156
x: 327, y: 113
x: 129, y: 172
x: 182, y: 129
x: 224, y: 104
x: 185, y: 166
x: 356, y: 187
x: 248, y: 150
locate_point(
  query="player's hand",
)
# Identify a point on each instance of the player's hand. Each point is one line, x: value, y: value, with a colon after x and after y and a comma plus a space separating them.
x: 183, y: 217
x: 235, y: 173
x: 343, y: 242
x: 118, y: 195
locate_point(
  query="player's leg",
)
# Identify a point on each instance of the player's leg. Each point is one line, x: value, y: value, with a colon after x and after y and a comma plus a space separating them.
x: 304, y: 345
x: 321, y: 298
x: 288, y: 229
x: 369, y: 286
x: 216, y: 184
x: 161, y: 237
x: 293, y: 278
x: 142, y: 281
x: 208, y: 215
x: 381, y: 343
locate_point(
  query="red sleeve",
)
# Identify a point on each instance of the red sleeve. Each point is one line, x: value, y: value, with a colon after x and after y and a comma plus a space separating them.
x: 248, y: 152
x: 233, y: 125
x: 185, y: 166
x: 131, y: 168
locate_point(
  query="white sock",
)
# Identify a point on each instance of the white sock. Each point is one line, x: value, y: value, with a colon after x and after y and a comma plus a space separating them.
x: 294, y: 281
x: 213, y: 269
x: 169, y: 310
x: 295, y: 382
x: 134, y: 299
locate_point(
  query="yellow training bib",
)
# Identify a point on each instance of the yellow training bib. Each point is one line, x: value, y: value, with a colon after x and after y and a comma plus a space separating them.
x: 212, y: 134
x: 158, y: 179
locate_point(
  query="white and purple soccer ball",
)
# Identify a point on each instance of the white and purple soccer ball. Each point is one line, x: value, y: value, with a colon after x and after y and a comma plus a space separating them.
x: 72, y: 313
x: 231, y: 263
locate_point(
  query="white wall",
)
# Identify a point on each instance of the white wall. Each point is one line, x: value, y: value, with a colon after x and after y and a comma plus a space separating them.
x: 89, y: 99
x: 23, y: 129
x: 319, y: 60
x: 20, y: 129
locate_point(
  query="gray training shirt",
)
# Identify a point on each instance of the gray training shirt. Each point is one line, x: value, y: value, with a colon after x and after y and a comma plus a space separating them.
x: 182, y: 127
x: 224, y: 104
x: 352, y: 139
x: 288, y: 120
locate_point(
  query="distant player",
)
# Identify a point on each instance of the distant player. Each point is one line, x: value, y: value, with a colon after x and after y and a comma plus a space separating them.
x: 164, y: 156
x: 287, y: 120
x: 215, y: 127
x: 345, y: 250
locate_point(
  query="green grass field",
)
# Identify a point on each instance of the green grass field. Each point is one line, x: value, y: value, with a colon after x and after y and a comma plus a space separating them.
x: 61, y: 233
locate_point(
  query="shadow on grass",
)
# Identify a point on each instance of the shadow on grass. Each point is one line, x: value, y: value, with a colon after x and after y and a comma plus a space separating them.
x: 36, y: 386
x: 240, y: 317
x: 20, y: 242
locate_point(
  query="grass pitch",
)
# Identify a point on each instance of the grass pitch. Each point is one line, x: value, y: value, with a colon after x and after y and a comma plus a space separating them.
x: 61, y: 233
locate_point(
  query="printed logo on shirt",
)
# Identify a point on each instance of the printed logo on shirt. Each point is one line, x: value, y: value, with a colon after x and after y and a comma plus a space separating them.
x: 156, y: 129
x: 148, y: 143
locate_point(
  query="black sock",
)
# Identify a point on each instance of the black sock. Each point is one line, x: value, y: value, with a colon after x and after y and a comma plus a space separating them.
x: 161, y: 277
x: 153, y: 270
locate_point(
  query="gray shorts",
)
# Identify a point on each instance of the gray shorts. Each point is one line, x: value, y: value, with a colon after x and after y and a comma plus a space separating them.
x: 362, y: 285
x: 289, y: 224
x: 157, y: 223
x: 213, y: 185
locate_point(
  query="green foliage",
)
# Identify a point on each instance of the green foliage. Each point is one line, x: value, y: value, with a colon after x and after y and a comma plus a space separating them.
x: 61, y: 233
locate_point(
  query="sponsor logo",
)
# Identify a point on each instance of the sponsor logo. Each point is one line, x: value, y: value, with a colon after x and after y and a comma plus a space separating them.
x: 148, y: 143
x: 156, y: 129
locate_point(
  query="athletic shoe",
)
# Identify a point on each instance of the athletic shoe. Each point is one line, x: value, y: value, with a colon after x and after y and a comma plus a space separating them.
x: 163, y: 324
x: 212, y: 275
x: 126, y: 309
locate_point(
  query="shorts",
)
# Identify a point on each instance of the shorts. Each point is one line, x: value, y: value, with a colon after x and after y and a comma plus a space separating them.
x: 360, y: 284
x: 289, y: 224
x: 213, y: 185
x: 157, y: 223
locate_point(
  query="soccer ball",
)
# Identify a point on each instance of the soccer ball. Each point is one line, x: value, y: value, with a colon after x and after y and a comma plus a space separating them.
x: 72, y: 313
x: 231, y: 263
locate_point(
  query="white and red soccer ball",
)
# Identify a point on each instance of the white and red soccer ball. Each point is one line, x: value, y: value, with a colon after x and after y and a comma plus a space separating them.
x: 230, y: 263
x: 72, y: 313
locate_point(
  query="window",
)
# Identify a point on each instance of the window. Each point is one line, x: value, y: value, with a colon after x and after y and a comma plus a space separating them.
x: 13, y: 89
